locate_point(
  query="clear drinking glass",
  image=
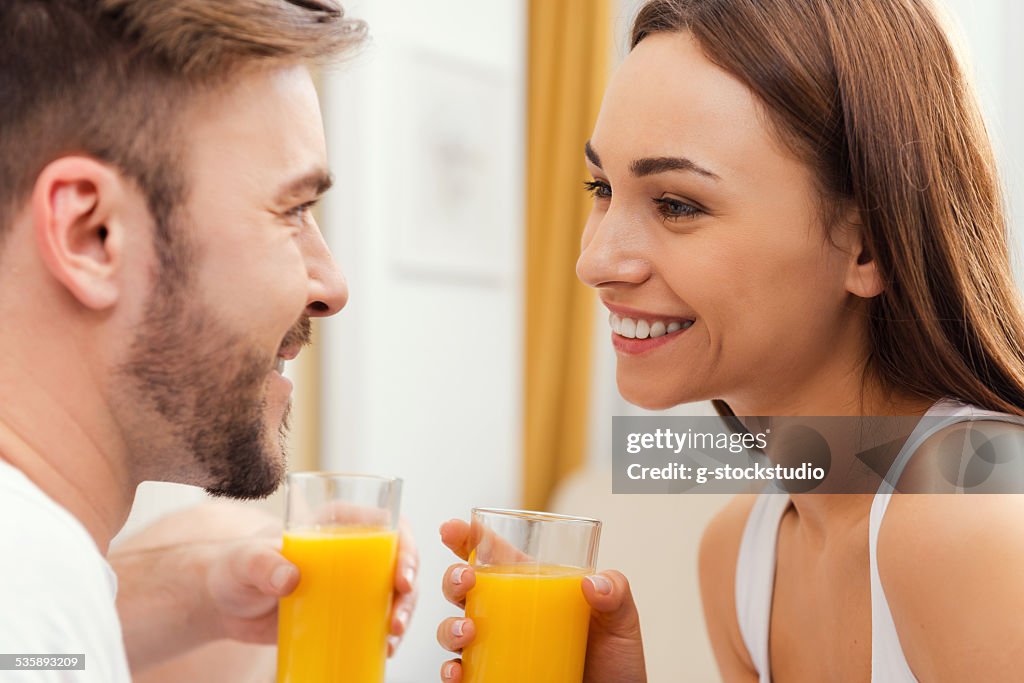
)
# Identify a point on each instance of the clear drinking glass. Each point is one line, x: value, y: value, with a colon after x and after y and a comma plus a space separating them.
x: 527, y: 605
x: 341, y: 530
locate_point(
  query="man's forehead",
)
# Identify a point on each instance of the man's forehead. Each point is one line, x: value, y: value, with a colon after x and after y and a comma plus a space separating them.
x: 267, y: 127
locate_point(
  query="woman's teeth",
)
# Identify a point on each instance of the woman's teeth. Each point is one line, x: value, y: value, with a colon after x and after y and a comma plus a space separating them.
x: 641, y: 329
x: 280, y: 366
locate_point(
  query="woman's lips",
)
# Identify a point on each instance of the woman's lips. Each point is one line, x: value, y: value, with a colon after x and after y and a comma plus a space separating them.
x: 641, y: 328
x: 635, y: 336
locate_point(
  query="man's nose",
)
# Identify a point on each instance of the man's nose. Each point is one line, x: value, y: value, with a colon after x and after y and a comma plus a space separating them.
x: 328, y: 290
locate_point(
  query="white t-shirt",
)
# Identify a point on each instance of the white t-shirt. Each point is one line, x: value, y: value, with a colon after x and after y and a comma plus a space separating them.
x: 56, y: 589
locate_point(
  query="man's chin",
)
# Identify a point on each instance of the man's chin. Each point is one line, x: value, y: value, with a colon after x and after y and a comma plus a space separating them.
x: 258, y: 479
x: 238, y: 491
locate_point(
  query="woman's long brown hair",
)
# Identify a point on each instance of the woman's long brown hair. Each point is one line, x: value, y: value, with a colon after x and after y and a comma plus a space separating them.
x: 872, y: 95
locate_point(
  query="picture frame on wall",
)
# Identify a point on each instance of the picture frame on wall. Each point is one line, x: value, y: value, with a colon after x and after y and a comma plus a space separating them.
x: 452, y: 208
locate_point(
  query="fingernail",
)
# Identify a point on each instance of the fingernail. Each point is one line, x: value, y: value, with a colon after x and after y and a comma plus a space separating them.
x: 457, y: 574
x: 410, y: 575
x: 403, y: 618
x: 281, y: 576
x: 602, y: 585
x: 449, y: 669
x: 393, y: 642
x: 458, y: 627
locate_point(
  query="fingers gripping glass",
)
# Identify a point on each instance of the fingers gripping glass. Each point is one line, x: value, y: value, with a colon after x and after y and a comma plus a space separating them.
x: 527, y: 605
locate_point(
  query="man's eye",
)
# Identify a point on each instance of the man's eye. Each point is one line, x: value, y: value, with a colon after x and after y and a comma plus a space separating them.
x: 301, y: 212
x: 598, y: 189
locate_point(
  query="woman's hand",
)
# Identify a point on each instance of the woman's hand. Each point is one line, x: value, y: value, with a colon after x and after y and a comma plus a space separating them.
x: 615, y: 652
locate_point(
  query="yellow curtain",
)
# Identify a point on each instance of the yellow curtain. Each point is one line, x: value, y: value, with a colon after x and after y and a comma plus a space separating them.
x: 304, y: 436
x: 569, y: 51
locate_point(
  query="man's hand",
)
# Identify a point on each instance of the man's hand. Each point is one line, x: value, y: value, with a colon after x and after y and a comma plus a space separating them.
x: 215, y: 572
x: 244, y: 582
x: 247, y: 578
x: 615, y: 652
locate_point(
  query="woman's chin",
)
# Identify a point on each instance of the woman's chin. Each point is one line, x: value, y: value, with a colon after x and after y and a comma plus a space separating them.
x: 651, y: 395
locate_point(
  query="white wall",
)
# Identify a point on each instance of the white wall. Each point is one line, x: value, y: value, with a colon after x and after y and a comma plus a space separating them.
x: 422, y: 371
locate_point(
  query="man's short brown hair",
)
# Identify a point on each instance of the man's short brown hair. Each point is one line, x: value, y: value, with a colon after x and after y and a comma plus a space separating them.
x: 107, y: 78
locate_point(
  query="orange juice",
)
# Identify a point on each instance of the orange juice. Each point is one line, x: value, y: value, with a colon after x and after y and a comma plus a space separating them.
x: 531, y: 625
x: 334, y: 626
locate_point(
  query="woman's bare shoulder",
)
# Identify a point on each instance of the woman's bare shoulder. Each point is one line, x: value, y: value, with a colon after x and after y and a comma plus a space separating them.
x: 979, y: 456
x: 950, y: 566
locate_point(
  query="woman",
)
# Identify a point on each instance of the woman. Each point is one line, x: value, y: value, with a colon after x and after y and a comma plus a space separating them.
x: 803, y: 190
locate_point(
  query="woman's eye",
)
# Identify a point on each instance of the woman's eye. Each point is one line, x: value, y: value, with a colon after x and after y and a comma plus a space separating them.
x: 676, y: 208
x: 598, y: 189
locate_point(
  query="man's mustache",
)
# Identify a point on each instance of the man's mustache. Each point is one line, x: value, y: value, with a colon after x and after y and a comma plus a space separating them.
x: 299, y: 336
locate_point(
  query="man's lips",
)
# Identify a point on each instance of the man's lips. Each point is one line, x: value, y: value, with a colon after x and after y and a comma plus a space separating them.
x: 299, y: 336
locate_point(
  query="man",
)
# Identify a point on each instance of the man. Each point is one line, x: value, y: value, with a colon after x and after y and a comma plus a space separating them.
x: 158, y: 264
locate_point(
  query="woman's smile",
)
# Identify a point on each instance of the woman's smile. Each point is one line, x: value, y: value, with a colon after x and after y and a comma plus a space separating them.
x: 635, y: 332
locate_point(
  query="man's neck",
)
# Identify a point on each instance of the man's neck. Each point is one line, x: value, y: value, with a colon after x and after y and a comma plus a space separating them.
x: 68, y: 466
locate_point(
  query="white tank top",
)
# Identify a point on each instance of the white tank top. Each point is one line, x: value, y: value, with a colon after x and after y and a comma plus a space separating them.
x: 755, y: 566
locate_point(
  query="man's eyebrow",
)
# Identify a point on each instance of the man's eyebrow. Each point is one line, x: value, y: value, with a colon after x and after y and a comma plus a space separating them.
x: 654, y: 165
x: 318, y: 180
x: 592, y: 155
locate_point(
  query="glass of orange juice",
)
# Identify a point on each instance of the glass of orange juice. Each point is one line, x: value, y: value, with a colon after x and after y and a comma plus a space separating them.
x: 528, y: 607
x: 341, y: 531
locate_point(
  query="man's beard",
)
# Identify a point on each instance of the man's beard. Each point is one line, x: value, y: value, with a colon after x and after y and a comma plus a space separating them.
x: 209, y: 387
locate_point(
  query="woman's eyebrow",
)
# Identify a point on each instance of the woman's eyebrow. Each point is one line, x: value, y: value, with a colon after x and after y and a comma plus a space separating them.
x: 654, y: 165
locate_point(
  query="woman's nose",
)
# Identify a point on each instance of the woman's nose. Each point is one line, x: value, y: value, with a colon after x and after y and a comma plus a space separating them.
x: 611, y: 254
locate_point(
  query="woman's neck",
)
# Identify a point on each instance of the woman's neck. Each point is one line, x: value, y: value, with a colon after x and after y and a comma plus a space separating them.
x: 836, y: 390
x: 821, y: 515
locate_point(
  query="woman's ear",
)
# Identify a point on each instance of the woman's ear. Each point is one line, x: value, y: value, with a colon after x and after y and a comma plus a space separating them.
x: 863, y: 278
x: 76, y: 210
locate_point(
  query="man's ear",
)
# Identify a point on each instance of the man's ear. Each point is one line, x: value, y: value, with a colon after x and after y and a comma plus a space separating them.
x: 75, y: 207
x: 863, y: 278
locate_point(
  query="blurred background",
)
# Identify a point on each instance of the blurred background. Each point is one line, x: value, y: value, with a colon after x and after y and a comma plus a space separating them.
x: 469, y: 361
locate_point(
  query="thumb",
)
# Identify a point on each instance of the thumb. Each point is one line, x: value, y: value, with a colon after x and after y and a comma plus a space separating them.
x: 251, y: 572
x: 611, y: 599
x: 268, y: 571
x: 263, y: 567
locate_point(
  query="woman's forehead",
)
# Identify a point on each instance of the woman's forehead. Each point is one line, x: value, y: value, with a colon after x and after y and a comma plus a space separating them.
x: 668, y: 99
